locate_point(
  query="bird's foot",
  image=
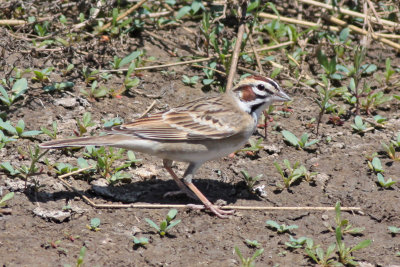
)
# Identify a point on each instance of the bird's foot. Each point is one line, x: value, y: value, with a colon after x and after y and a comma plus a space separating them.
x: 220, y: 213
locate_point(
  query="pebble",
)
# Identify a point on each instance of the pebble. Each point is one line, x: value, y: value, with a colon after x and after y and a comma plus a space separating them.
x: 69, y: 102
x: 52, y: 215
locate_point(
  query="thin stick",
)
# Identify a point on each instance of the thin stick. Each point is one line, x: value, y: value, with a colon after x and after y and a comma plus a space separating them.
x: 123, y: 15
x: 235, y: 56
x: 351, y: 13
x: 361, y: 31
x: 253, y: 47
x: 75, y: 172
x: 148, y: 109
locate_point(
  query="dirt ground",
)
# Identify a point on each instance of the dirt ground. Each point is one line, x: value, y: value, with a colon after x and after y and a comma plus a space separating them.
x: 27, y: 238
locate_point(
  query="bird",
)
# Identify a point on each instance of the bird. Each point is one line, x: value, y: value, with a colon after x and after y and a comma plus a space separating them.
x: 196, y: 132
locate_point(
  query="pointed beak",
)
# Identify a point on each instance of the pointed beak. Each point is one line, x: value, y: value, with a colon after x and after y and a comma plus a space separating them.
x: 282, y: 96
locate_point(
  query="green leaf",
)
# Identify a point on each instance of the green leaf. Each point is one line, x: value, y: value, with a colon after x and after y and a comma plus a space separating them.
x: 171, y: 214
x: 361, y: 245
x: 152, y: 224
x: 7, y: 197
x: 30, y: 133
x: 273, y: 224
x: 95, y: 222
x: 376, y: 163
x: 290, y: 137
x: 172, y: 224
x: 344, y: 34
x: 208, y: 81
x: 183, y: 11
x: 129, y: 58
x: 20, y: 86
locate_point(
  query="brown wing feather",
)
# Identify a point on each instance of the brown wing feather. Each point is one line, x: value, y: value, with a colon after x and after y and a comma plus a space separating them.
x: 197, y: 120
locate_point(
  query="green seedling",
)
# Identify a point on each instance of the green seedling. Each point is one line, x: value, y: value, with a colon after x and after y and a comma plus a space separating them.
x: 129, y: 82
x: 51, y: 133
x: 296, y: 142
x: 325, y: 94
x: 389, y: 71
x: 209, y: 71
x: 4, y: 140
x: 69, y: 68
x: 42, y: 75
x: 18, y: 89
x: 385, y: 184
x: 280, y: 228
x: 7, y: 197
x: 82, y: 253
x: 18, y: 130
x: 255, y: 146
x: 291, y: 173
x: 248, y: 262
x: 344, y: 224
x: 328, y: 65
x: 345, y: 253
x: 373, y: 100
x: 294, y: 243
x: 191, y: 81
x: 322, y: 258
x: 42, y: 30
x: 86, y: 122
x: 120, y: 62
x: 119, y: 176
x: 9, y: 168
x: 89, y: 75
x: 392, y: 229
x: 141, y: 241
x: 250, y: 180
x: 191, y: 9
x: 252, y: 243
x: 359, y: 126
x: 112, y: 122
x: 58, y: 86
x: 94, y: 225
x: 95, y: 92
x: 391, y: 151
x: 375, y: 165
x: 166, y: 224
x: 34, y: 155
x: 63, y: 168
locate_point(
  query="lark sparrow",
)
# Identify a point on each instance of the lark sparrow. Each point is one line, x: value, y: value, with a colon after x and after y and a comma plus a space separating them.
x: 196, y: 132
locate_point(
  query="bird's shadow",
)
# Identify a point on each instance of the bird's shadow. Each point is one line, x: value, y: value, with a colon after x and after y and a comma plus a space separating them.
x: 149, y: 191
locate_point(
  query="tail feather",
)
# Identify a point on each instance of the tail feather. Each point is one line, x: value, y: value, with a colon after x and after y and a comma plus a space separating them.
x: 78, y: 142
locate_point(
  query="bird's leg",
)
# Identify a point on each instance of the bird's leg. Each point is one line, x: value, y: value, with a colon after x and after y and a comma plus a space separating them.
x: 183, y: 188
x: 187, y: 178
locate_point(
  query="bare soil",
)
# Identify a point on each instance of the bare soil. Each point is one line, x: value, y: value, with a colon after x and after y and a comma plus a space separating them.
x: 27, y: 239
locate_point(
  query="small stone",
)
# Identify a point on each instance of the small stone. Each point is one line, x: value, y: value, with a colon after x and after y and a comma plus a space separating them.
x: 147, y: 173
x: 339, y: 145
x: 52, y: 215
x: 322, y: 178
x: 66, y: 102
x: 272, y: 149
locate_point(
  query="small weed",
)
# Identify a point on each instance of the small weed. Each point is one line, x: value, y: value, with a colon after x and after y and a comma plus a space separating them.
x: 18, y: 89
x: 4, y: 140
x: 385, y: 184
x: 280, y: 228
x: 94, y: 225
x: 248, y: 262
x: 317, y: 254
x: 120, y: 62
x: 58, y: 86
x: 255, y: 146
x: 375, y: 165
x: 95, y: 92
x: 291, y: 173
x: 191, y: 81
x: 344, y: 224
x: 345, y: 253
x: 63, y: 168
x: 82, y: 253
x: 88, y: 75
x: 112, y: 122
x: 250, y: 180
x: 9, y: 168
x: 359, y: 126
x: 141, y: 241
x: 86, y: 123
x: 42, y: 75
x: 296, y: 142
x: 32, y: 169
x: 51, y: 133
x: 166, y: 224
x: 252, y: 243
x: 129, y: 82
x: 18, y: 130
x: 296, y: 243
x: 7, y: 197
x: 392, y: 229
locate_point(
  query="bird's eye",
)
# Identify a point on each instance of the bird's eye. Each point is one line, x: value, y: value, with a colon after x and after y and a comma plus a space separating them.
x: 261, y: 87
